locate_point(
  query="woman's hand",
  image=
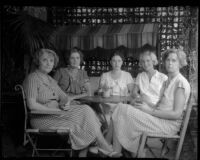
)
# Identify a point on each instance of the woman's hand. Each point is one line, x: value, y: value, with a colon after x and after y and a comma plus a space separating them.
x: 68, y: 104
x: 143, y: 106
x: 136, y: 100
x: 73, y: 102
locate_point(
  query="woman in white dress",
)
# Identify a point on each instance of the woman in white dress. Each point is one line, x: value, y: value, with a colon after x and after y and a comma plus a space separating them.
x: 149, y: 82
x: 130, y: 121
x: 115, y: 82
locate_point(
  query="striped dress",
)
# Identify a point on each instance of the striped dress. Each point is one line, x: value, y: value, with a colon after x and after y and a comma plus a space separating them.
x: 79, y: 119
x: 129, y: 122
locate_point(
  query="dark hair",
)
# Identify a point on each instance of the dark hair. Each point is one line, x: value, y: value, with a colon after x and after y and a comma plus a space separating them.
x: 117, y: 53
x: 76, y: 50
x: 41, y: 51
x: 147, y: 47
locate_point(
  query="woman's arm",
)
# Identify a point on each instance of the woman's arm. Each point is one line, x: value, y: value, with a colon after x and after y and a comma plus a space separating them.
x: 33, y: 105
x: 176, y: 113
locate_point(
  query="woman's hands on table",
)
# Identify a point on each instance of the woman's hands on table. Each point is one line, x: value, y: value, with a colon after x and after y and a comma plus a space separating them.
x: 70, y: 102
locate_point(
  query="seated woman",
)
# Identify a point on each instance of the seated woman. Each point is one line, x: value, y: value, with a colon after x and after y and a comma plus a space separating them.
x: 163, y: 118
x: 72, y: 80
x: 43, y: 94
x: 115, y: 82
x: 149, y: 82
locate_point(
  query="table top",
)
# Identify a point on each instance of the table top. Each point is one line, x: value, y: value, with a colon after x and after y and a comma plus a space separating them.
x: 111, y: 99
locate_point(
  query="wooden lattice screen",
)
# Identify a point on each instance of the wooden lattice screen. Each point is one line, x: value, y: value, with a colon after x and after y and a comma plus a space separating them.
x: 170, y: 19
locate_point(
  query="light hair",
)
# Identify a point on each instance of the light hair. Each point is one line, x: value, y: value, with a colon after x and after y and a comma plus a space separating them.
x: 40, y: 52
x: 180, y: 54
x: 151, y: 55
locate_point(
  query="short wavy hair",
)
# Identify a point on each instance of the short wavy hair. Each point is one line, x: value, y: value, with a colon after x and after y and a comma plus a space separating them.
x: 76, y: 50
x: 41, y: 51
x: 148, y: 50
x: 180, y: 54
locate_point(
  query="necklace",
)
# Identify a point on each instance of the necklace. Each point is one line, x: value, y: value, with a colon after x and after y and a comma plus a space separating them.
x: 47, y: 84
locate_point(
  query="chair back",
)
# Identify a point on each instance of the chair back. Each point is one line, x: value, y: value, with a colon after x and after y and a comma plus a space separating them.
x: 184, y: 126
x: 186, y: 117
x: 20, y: 88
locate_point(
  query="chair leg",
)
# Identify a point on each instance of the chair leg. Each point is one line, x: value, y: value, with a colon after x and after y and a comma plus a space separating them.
x: 164, y: 146
x: 179, y: 148
x: 33, y: 145
x: 141, y: 146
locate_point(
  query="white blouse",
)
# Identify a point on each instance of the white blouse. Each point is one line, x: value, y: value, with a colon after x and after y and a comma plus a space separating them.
x: 119, y: 86
x: 151, y: 88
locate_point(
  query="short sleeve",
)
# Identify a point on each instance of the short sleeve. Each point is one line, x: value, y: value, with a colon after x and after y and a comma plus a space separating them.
x: 180, y: 84
x: 31, y: 85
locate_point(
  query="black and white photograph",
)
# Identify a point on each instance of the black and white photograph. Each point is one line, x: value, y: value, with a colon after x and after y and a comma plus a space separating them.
x: 99, y: 81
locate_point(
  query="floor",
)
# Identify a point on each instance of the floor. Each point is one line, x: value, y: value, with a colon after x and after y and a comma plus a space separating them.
x: 189, y: 151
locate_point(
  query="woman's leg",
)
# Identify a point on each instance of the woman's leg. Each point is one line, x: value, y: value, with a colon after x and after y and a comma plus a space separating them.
x: 103, y: 143
x: 117, y: 147
x: 83, y: 153
x: 109, y: 135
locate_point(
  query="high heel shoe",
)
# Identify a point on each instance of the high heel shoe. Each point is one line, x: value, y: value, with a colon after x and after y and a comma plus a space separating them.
x: 110, y: 154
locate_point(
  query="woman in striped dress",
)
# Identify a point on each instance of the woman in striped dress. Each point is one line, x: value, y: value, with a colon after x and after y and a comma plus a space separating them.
x: 43, y: 93
x: 130, y: 121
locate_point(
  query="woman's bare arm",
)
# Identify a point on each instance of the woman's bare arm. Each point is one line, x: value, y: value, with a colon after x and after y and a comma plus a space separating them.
x: 33, y: 105
x: 179, y: 100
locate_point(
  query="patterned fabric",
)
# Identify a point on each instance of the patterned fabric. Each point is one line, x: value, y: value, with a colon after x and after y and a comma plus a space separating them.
x: 151, y: 88
x: 70, y: 85
x: 107, y: 36
x: 129, y: 122
x: 80, y: 119
x: 118, y: 87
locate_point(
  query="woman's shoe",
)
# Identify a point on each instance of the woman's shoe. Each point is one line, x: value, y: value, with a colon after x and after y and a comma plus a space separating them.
x: 94, y: 149
x: 109, y: 154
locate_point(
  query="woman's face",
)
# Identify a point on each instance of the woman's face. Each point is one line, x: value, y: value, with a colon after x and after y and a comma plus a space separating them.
x: 116, y: 62
x: 146, y: 62
x: 75, y: 59
x: 46, y: 62
x: 172, y: 63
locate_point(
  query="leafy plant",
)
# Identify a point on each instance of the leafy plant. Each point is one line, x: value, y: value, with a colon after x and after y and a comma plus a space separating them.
x: 22, y: 36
